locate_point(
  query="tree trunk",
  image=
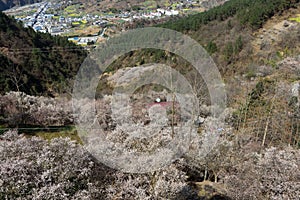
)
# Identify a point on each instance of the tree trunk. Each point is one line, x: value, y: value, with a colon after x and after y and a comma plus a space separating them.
x: 265, y: 132
x: 205, y: 174
x: 216, y: 177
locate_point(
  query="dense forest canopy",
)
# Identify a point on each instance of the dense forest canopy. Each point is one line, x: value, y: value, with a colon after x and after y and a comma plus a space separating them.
x: 251, y: 13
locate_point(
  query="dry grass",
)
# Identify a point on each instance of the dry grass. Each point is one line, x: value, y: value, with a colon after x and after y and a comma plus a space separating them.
x: 90, y: 30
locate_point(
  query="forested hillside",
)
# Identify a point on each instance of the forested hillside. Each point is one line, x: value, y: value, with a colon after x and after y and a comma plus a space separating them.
x: 249, y: 12
x: 228, y: 31
x: 35, y: 63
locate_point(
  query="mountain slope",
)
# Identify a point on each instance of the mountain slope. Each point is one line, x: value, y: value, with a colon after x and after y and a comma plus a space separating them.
x: 227, y: 32
x: 254, y: 13
x: 35, y: 63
